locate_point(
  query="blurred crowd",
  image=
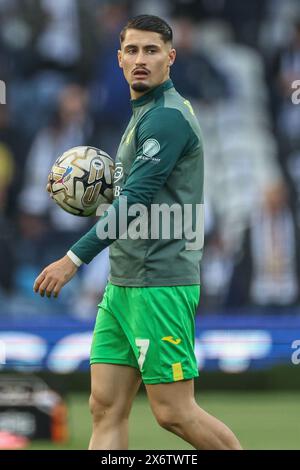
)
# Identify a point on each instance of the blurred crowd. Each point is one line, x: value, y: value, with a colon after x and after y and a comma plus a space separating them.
x: 236, y: 61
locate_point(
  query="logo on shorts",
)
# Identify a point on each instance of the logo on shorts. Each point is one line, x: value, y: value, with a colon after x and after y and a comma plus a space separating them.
x: 171, y: 339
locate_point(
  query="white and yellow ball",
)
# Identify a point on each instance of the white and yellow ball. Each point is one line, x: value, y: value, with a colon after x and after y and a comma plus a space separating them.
x: 81, y: 179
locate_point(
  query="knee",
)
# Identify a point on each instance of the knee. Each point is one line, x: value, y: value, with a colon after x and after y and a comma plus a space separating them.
x: 100, y: 405
x: 168, y: 417
x: 104, y: 406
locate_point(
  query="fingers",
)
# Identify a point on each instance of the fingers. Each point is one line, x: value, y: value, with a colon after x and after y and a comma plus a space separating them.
x: 54, y: 277
x: 57, y: 289
x: 45, y: 284
x: 47, y: 287
x: 50, y: 288
x: 38, y: 281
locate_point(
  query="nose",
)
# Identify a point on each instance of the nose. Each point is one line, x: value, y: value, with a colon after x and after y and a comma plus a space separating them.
x: 140, y: 58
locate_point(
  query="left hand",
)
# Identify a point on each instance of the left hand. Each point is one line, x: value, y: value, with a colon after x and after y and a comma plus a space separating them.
x: 54, y: 277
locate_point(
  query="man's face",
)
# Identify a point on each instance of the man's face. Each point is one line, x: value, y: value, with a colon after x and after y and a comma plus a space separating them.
x: 145, y: 59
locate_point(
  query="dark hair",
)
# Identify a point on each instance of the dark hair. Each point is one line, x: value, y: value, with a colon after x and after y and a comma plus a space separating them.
x: 149, y: 23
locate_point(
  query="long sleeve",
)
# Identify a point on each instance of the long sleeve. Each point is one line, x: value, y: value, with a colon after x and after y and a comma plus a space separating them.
x: 162, y: 136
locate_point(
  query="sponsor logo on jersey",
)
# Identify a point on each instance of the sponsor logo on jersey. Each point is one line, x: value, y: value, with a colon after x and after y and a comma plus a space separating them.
x: 171, y: 339
x: 118, y: 174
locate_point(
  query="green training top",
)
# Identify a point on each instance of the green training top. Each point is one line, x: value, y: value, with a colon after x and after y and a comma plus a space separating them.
x: 159, y: 164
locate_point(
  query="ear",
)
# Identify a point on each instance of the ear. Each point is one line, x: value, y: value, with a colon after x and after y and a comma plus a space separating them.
x: 172, y: 57
x: 120, y: 59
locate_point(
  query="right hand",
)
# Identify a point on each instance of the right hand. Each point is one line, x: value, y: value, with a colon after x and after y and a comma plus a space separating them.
x: 54, y: 277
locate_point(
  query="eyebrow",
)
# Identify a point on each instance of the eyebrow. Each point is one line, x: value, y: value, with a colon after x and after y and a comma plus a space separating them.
x: 148, y: 46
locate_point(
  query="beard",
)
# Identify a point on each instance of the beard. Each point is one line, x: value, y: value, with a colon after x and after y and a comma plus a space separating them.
x: 140, y: 87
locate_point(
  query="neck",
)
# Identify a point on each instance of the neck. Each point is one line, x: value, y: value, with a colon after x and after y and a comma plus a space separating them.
x: 134, y: 95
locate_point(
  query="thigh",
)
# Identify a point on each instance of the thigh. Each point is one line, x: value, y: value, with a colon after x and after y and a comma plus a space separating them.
x: 114, y: 385
x: 176, y: 395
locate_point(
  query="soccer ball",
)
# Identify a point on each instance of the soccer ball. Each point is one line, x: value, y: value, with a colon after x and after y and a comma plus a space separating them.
x: 81, y: 179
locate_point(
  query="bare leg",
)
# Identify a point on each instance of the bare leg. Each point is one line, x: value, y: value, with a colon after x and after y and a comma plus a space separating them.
x: 176, y: 410
x: 112, y: 393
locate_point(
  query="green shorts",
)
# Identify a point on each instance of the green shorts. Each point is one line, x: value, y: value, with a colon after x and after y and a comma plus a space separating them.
x: 149, y: 328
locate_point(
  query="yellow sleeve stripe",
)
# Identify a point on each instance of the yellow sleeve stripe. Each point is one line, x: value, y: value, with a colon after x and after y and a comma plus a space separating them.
x: 177, y: 371
x: 129, y: 136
